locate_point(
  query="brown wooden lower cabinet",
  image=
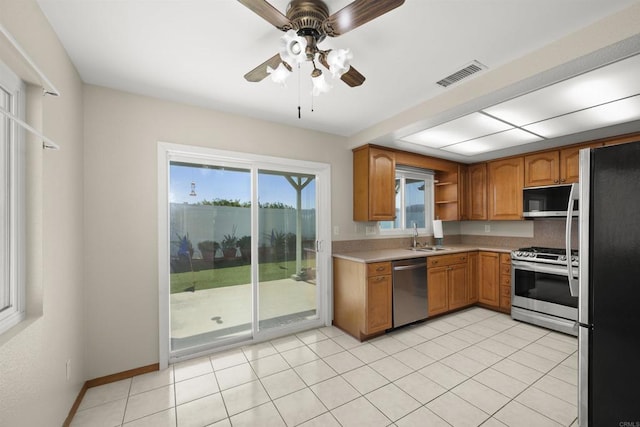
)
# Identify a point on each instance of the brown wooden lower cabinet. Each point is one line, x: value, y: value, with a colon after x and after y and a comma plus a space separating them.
x: 488, y: 279
x: 363, y: 292
x: 447, y: 283
x: 473, y: 263
x: 362, y: 297
x: 505, y: 283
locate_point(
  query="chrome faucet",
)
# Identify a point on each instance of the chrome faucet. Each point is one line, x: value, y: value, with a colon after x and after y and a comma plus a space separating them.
x: 415, y: 235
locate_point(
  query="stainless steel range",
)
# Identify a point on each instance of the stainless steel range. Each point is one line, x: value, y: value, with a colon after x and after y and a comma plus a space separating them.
x: 540, y: 292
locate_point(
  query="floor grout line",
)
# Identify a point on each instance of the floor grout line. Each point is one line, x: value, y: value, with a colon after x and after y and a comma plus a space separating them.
x: 391, y: 349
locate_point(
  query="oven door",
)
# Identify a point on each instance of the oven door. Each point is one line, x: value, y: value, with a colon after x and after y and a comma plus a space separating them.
x: 543, y: 288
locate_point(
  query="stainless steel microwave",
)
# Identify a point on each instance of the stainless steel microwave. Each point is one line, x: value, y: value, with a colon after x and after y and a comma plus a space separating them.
x: 548, y: 201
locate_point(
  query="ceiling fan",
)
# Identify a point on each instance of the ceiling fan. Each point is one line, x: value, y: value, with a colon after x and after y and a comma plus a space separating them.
x: 306, y: 24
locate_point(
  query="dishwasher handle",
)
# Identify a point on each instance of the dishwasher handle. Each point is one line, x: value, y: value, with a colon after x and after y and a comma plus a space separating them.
x: 409, y: 267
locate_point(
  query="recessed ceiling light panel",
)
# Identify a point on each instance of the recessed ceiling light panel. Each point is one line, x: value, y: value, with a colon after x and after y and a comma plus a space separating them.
x: 467, y: 127
x: 497, y: 141
x: 613, y: 113
x: 612, y: 82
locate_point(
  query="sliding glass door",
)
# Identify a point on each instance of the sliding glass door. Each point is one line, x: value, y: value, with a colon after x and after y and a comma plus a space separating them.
x: 286, y: 255
x: 240, y: 258
x: 210, y: 229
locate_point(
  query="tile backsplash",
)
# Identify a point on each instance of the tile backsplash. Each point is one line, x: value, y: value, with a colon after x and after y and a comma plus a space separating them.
x: 546, y: 232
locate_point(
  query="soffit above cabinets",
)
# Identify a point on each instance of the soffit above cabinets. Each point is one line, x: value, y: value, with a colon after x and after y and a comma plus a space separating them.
x: 606, y: 96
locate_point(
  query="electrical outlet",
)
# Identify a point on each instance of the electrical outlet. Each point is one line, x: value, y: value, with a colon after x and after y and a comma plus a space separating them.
x: 370, y: 230
x: 336, y: 230
x: 68, y: 369
x: 487, y: 228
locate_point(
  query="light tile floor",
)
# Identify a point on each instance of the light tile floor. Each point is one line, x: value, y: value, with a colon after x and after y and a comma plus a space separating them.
x: 474, y: 367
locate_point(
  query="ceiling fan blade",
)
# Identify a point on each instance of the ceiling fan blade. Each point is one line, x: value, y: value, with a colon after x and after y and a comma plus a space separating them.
x: 357, y: 13
x: 269, y: 13
x: 260, y: 72
x: 353, y: 77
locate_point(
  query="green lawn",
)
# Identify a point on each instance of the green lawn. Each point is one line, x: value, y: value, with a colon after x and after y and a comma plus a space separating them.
x: 230, y: 276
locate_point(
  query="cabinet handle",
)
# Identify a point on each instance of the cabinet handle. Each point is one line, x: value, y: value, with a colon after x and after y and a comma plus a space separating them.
x: 555, y: 181
x: 380, y: 278
x: 562, y: 180
x: 380, y: 268
x: 434, y: 262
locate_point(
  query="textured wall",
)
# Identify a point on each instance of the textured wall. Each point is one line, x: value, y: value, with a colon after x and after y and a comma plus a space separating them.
x: 34, y: 390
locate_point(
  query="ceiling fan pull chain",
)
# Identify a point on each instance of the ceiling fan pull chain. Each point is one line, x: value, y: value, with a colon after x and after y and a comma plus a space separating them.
x: 299, y: 116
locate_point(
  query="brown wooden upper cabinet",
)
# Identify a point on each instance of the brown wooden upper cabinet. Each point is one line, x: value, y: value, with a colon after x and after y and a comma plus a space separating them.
x: 374, y: 184
x: 554, y: 167
x: 504, y: 188
x: 448, y: 195
x: 476, y: 192
x: 542, y: 169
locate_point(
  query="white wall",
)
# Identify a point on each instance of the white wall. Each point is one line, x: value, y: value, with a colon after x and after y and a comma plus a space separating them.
x: 33, y: 386
x: 121, y: 135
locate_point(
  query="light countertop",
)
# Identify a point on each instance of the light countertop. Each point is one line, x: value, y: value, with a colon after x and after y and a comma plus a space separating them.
x: 381, y: 255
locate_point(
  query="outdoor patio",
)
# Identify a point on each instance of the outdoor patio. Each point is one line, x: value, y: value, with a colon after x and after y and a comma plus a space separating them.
x: 223, y: 312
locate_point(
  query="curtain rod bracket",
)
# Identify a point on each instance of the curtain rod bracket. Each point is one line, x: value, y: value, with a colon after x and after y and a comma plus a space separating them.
x: 48, y: 92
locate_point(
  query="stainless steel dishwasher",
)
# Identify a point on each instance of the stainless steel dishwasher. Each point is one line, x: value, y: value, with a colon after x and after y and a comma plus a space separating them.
x: 409, y: 291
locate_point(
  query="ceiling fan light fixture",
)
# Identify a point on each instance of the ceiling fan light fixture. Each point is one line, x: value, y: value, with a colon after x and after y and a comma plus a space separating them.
x: 338, y: 61
x: 293, y: 48
x: 280, y: 74
x: 320, y: 85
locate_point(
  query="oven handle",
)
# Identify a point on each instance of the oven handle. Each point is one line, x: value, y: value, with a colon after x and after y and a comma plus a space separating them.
x: 541, y: 268
x: 573, y: 195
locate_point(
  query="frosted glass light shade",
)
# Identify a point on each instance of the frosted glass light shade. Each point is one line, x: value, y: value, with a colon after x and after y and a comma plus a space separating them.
x: 338, y: 61
x: 279, y: 75
x: 320, y: 85
x: 293, y: 48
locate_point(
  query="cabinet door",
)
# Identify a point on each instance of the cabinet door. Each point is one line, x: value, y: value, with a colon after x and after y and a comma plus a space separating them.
x: 570, y: 162
x: 457, y: 277
x: 473, y: 277
x: 374, y: 183
x: 382, y: 185
x: 505, y: 180
x: 437, y: 299
x: 541, y: 169
x: 476, y: 192
x: 489, y: 286
x: 378, y: 304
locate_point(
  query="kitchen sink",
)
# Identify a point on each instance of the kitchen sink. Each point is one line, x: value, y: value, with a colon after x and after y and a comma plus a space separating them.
x: 429, y: 249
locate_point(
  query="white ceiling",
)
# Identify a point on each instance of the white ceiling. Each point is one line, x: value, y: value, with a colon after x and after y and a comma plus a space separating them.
x: 197, y: 51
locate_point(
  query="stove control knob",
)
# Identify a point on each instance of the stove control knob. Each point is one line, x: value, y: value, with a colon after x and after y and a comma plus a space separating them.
x: 563, y: 258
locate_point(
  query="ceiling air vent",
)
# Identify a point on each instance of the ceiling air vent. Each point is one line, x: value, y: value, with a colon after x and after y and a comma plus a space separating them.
x: 473, y: 68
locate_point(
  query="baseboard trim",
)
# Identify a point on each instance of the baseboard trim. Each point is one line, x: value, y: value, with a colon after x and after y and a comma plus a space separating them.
x: 76, y: 405
x: 106, y: 380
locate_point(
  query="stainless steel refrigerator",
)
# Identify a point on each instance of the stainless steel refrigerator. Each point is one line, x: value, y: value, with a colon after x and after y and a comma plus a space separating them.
x: 609, y: 286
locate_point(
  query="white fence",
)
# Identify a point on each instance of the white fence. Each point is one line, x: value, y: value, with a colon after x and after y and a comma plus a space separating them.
x: 204, y: 222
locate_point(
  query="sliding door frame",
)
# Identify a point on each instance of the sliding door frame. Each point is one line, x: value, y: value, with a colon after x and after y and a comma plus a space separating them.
x: 169, y: 151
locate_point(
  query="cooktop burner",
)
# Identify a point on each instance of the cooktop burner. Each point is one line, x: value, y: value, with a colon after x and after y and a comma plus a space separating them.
x: 544, y: 255
x: 550, y: 251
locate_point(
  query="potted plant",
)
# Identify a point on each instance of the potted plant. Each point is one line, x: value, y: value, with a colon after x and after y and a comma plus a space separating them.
x: 230, y: 244
x: 208, y: 249
x: 245, y: 247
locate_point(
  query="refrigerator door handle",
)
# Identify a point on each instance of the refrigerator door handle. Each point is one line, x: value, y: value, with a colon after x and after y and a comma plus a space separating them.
x: 573, y: 196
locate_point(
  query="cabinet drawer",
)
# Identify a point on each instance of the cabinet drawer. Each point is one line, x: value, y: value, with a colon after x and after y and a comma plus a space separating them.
x: 505, y: 258
x: 505, y: 291
x: 444, y: 260
x: 505, y: 269
x: 505, y: 280
x: 505, y: 302
x: 378, y: 269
